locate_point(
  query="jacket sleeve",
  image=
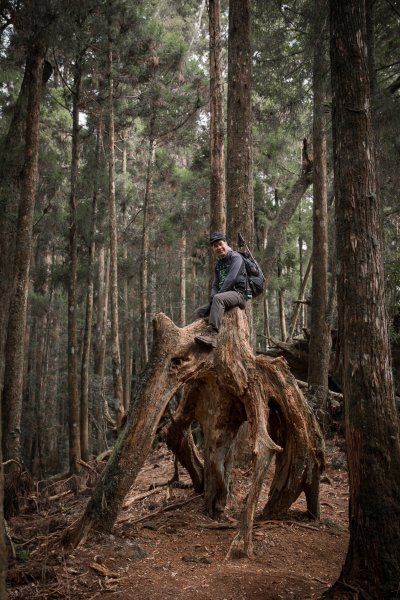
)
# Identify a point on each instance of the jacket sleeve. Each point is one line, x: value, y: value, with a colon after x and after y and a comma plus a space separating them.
x: 232, y: 275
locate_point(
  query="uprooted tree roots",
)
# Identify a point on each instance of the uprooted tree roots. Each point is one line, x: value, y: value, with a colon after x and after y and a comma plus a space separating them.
x: 222, y: 389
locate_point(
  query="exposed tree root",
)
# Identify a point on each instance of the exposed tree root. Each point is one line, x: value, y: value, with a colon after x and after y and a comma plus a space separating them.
x: 222, y: 389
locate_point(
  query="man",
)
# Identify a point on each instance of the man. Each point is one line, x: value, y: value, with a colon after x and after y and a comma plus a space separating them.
x: 228, y: 289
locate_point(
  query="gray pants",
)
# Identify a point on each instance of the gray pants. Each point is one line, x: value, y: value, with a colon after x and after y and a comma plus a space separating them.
x: 216, y: 309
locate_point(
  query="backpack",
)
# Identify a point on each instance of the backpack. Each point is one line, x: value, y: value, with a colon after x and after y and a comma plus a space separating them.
x: 255, y: 277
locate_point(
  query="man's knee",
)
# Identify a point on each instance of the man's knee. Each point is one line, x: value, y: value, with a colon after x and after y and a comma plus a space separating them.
x: 229, y: 300
x: 218, y: 299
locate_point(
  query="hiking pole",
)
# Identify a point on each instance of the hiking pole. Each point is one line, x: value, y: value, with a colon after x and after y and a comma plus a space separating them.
x: 241, y: 243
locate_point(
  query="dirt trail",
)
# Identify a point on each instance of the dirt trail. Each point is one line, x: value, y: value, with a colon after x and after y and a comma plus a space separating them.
x: 164, y: 547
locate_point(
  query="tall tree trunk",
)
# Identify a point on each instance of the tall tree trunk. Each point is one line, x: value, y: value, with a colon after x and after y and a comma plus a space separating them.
x: 301, y: 273
x: 267, y: 330
x: 320, y: 333
x: 182, y: 280
x: 126, y: 341
x: 217, y: 160
x: 85, y: 363
x: 11, y: 175
x: 144, y: 274
x: 116, y: 356
x: 28, y: 424
x: 126, y: 335
x: 74, y: 417
x: 239, y: 167
x: 87, y: 336
x: 14, y: 348
x: 50, y: 395
x: 38, y: 360
x: 11, y: 158
x: 101, y: 312
x: 100, y: 409
x: 281, y: 307
x: 300, y: 302
x: 3, y: 547
x: 193, y: 277
x: 370, y: 18
x: 39, y: 345
x: 240, y: 210
x: 372, y: 563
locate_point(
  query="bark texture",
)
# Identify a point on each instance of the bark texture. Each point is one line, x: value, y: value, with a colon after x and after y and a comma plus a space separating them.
x: 144, y: 274
x: 372, y: 432
x: 217, y: 160
x: 222, y: 389
x: 100, y: 414
x: 240, y: 210
x: 87, y: 336
x: 300, y: 302
x: 74, y: 416
x: 11, y: 172
x: 182, y: 279
x: 112, y: 210
x: 14, y: 348
x: 320, y: 335
x: 127, y: 322
x: 3, y: 547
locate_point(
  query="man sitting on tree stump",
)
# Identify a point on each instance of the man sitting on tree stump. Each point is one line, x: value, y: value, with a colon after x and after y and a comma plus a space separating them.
x: 228, y: 289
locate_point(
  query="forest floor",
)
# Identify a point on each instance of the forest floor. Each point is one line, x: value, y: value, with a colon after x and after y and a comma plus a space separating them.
x: 165, y: 547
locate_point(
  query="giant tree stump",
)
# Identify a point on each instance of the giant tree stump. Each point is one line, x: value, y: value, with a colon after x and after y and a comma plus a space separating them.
x: 223, y: 387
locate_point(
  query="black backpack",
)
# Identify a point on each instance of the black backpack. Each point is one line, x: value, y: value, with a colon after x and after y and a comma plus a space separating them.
x: 255, y: 277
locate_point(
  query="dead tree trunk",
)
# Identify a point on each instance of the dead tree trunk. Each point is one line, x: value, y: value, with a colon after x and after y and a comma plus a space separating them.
x: 239, y: 386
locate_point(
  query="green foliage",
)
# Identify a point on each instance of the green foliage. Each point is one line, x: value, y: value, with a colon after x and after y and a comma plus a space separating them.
x: 40, y: 303
x: 55, y: 113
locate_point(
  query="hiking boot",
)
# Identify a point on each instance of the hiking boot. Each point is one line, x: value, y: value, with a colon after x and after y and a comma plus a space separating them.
x: 209, y: 338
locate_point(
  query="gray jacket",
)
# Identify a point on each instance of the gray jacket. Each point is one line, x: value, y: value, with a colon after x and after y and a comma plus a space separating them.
x: 229, y: 274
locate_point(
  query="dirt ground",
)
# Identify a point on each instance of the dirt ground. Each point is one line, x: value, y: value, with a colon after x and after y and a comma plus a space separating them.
x: 164, y: 546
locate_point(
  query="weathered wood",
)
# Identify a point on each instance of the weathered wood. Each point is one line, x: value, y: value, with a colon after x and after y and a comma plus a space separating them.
x: 179, y: 439
x: 223, y: 388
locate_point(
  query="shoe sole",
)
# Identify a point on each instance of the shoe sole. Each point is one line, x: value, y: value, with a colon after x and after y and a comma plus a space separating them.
x: 205, y: 344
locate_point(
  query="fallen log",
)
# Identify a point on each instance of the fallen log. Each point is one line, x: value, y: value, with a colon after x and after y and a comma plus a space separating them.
x: 222, y: 388
x: 335, y: 400
x: 295, y: 352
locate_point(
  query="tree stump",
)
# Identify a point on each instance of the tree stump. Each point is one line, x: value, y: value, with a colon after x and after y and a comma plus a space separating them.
x: 223, y: 387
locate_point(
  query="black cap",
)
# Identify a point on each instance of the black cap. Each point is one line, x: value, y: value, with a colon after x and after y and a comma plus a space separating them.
x: 216, y: 237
